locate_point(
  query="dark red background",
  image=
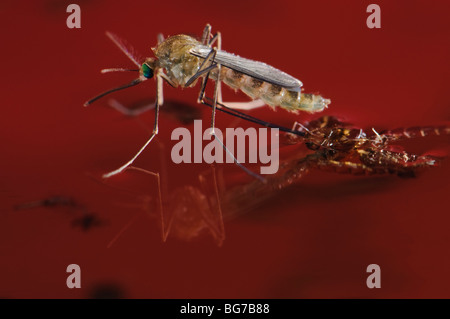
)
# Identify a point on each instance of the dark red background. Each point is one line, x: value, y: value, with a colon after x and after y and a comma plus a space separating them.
x: 313, y: 240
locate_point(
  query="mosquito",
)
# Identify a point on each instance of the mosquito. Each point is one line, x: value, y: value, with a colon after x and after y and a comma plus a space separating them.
x: 182, y: 60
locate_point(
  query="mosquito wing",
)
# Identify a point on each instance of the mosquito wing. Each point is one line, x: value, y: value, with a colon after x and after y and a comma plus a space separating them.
x: 255, y: 69
x: 126, y: 48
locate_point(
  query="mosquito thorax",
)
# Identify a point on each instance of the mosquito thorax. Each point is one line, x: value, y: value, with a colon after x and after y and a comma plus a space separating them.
x: 174, y: 55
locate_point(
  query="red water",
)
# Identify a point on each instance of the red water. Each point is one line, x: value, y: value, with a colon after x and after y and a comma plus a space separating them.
x: 313, y: 240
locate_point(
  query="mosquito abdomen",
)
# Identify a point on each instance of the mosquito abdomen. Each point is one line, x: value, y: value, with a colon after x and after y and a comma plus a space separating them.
x: 273, y: 95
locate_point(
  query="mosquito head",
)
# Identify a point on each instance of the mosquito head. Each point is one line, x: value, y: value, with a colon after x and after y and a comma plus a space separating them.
x: 147, y: 68
x: 147, y: 71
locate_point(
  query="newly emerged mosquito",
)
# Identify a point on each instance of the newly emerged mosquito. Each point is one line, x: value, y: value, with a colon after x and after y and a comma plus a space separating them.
x: 181, y: 60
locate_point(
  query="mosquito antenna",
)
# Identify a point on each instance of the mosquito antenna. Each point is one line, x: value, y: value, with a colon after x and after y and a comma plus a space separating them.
x: 118, y: 70
x: 125, y: 48
x: 132, y: 83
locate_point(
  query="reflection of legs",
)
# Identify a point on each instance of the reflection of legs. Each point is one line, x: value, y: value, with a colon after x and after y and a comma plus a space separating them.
x: 214, y: 219
x: 130, y: 112
x: 165, y: 227
x: 146, y: 205
x: 143, y: 202
x: 159, y: 101
x: 187, y: 198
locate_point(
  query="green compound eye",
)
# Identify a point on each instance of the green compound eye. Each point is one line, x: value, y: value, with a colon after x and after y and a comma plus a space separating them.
x: 147, y: 71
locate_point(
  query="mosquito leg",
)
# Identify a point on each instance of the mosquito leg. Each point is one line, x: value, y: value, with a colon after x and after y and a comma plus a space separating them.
x: 201, y: 95
x: 204, y: 67
x: 206, y: 34
x: 291, y: 138
x: 138, y: 111
x: 201, y: 99
x: 211, y: 55
x: 413, y: 132
x: 160, y: 38
x: 216, y: 91
x: 244, y: 105
x: 217, y: 38
x: 205, y: 40
x: 167, y: 79
x: 200, y: 73
x: 158, y: 103
x: 217, y: 99
x: 213, y: 123
x: 223, y: 108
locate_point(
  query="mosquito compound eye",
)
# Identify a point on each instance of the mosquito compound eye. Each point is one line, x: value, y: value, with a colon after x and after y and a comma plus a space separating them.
x: 147, y: 71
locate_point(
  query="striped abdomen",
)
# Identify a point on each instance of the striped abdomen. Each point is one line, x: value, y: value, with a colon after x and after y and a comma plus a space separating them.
x: 273, y: 95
